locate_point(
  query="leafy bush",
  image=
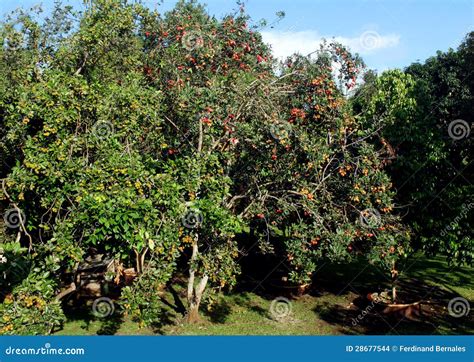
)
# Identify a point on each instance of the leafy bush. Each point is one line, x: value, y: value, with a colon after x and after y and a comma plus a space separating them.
x: 31, y: 308
x: 429, y: 112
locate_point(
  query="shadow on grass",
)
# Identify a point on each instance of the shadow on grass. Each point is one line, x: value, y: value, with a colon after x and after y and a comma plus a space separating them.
x: 364, y: 318
x: 438, y: 271
x: 429, y: 281
x: 244, y: 300
x: 110, y: 325
x: 178, y: 305
x: 219, y: 312
x: 80, y: 313
x: 166, y: 318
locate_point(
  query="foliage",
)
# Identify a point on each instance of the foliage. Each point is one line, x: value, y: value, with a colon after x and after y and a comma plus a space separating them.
x: 31, y: 309
x: 28, y: 307
x: 433, y: 163
x: 319, y: 178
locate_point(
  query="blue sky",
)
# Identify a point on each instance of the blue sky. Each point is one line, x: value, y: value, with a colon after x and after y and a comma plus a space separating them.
x: 388, y: 34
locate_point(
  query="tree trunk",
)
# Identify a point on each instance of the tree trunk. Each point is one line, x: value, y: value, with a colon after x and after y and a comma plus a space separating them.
x: 193, y: 313
x: 195, y: 292
x: 195, y: 301
x: 140, y: 259
x: 394, y: 273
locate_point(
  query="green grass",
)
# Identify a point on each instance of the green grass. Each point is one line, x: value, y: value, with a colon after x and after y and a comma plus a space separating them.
x: 87, y: 325
x: 329, y: 309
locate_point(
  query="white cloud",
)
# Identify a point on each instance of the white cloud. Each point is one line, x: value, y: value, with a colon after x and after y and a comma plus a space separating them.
x: 285, y: 43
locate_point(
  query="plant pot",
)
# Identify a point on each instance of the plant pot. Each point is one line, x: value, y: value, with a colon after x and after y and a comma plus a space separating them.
x: 410, y: 311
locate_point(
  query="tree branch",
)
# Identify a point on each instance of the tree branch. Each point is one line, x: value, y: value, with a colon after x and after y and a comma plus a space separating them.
x: 18, y: 210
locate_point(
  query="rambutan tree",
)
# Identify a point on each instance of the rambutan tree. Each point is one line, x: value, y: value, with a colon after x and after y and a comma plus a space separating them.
x: 153, y: 138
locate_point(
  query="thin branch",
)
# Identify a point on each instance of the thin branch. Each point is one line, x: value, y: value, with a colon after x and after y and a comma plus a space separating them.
x: 18, y: 210
x: 79, y: 70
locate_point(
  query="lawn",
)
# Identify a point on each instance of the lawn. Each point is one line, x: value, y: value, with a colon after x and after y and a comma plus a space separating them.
x: 329, y: 308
